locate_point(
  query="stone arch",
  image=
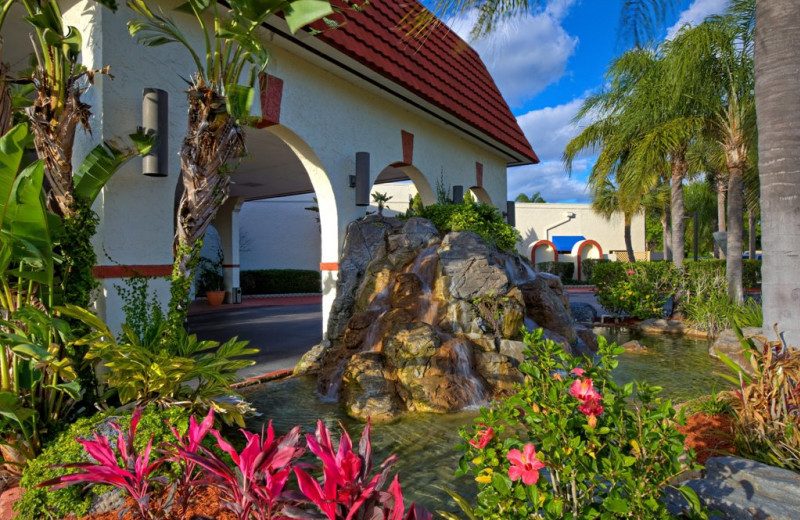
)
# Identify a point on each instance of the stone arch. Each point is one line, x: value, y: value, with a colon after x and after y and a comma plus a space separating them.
x: 481, y: 195
x: 585, y: 250
x: 543, y: 244
x: 400, y: 172
x: 326, y: 198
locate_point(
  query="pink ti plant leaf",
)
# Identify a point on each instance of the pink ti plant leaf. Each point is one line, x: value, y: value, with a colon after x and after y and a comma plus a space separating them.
x: 135, y: 476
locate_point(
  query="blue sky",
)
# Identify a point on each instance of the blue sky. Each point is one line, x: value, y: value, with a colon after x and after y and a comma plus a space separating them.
x: 545, y: 65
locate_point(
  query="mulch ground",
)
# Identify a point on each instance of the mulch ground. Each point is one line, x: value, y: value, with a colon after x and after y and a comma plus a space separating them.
x: 708, y: 435
x: 205, y: 506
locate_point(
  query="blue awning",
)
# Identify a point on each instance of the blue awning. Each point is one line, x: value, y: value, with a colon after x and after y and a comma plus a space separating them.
x: 564, y: 243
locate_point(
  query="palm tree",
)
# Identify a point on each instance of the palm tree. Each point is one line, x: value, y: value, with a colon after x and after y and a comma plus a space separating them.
x: 777, y: 60
x: 713, y: 66
x: 380, y: 199
x: 536, y: 198
x: 219, y: 108
x: 608, y: 200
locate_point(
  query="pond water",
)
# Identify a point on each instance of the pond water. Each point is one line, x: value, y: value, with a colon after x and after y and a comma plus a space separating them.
x: 424, y: 442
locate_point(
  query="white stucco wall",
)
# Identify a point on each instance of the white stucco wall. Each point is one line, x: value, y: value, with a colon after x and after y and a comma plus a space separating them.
x: 533, y: 221
x: 325, y: 117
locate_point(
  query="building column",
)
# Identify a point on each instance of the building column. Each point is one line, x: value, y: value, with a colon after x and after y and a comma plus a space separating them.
x: 227, y: 225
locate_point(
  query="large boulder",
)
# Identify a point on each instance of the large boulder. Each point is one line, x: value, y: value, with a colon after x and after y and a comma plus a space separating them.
x: 743, y: 489
x: 728, y: 344
x: 423, y: 323
x: 547, y: 309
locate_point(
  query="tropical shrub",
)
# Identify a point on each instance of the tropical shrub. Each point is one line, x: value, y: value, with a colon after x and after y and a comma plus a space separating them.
x: 564, y: 270
x: 766, y: 406
x: 39, y: 503
x: 253, y: 485
x: 480, y: 218
x: 169, y: 370
x: 640, y: 289
x: 571, y: 443
x: 209, y: 274
x: 587, y: 266
x: 280, y: 281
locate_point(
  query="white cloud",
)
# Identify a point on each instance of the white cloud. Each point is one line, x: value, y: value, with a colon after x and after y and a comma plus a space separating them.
x: 549, y: 179
x: 549, y: 130
x: 525, y: 55
x: 698, y: 11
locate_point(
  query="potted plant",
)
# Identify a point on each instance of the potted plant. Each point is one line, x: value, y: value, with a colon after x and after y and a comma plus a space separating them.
x: 210, y: 280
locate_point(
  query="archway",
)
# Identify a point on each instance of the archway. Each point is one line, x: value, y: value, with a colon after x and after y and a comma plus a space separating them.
x: 543, y: 251
x: 585, y: 250
x: 269, y: 209
x: 481, y: 195
x: 404, y: 180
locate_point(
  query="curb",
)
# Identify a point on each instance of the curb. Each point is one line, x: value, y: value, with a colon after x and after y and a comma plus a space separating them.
x: 270, y: 376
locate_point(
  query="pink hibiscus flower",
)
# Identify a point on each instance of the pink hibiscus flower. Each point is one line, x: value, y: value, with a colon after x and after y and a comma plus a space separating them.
x: 592, y: 409
x: 524, y: 465
x: 583, y: 390
x: 484, y: 436
x: 578, y: 371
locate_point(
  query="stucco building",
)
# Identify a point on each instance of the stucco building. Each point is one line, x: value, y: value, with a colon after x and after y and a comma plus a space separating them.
x: 421, y: 110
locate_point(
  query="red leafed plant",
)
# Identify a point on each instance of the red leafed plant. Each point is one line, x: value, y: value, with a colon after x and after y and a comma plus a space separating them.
x: 348, y: 492
x: 254, y: 486
x: 135, y: 475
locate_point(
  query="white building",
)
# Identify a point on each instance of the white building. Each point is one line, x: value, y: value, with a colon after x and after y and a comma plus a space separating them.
x: 420, y: 109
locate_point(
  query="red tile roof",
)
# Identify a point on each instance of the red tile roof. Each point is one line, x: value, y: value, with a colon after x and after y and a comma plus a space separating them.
x: 441, y: 68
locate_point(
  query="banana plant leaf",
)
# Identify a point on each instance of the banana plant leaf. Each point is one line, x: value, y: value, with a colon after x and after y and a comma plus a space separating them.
x: 303, y: 12
x: 26, y: 215
x: 103, y: 161
x: 12, y: 148
x: 12, y: 408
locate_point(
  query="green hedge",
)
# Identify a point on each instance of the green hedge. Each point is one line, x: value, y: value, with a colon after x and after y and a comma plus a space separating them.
x: 641, y: 288
x: 280, y: 281
x: 588, y: 265
x: 42, y: 503
x: 564, y: 270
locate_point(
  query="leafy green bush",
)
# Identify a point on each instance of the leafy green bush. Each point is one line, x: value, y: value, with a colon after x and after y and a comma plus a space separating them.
x: 280, y: 281
x: 39, y: 503
x: 480, y: 218
x: 588, y: 265
x: 639, y: 289
x: 604, y: 457
x: 564, y: 270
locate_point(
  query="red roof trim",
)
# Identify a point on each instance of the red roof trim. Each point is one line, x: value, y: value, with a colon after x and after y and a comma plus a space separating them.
x: 443, y: 70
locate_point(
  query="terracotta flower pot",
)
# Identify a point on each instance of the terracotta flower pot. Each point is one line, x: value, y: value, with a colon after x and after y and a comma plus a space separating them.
x: 215, y: 297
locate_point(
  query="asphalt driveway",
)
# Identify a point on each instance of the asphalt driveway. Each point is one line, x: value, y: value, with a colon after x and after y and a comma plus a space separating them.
x: 282, y: 333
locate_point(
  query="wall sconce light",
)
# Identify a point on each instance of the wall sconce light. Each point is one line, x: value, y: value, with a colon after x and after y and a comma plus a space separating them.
x: 155, y: 121
x: 511, y: 213
x: 458, y: 194
x: 360, y: 181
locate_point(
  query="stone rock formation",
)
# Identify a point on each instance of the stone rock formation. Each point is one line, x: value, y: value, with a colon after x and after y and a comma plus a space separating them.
x: 429, y: 323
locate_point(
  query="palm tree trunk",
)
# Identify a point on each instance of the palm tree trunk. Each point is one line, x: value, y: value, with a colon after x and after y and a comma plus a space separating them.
x: 628, y: 241
x: 778, y: 107
x: 211, y: 140
x: 751, y: 228
x: 735, y: 220
x: 666, y: 234
x: 678, y: 167
x: 722, y: 191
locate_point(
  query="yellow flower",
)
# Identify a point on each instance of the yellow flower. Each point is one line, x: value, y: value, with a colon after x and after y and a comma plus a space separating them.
x: 477, y: 461
x: 568, y: 450
x: 630, y: 292
x: 486, y: 478
x: 535, y: 408
x: 557, y: 377
x: 648, y: 296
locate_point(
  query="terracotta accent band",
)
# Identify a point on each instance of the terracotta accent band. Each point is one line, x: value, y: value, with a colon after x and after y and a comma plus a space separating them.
x: 129, y: 271
x: 271, y: 97
x: 230, y: 266
x: 408, y: 146
x: 329, y: 266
